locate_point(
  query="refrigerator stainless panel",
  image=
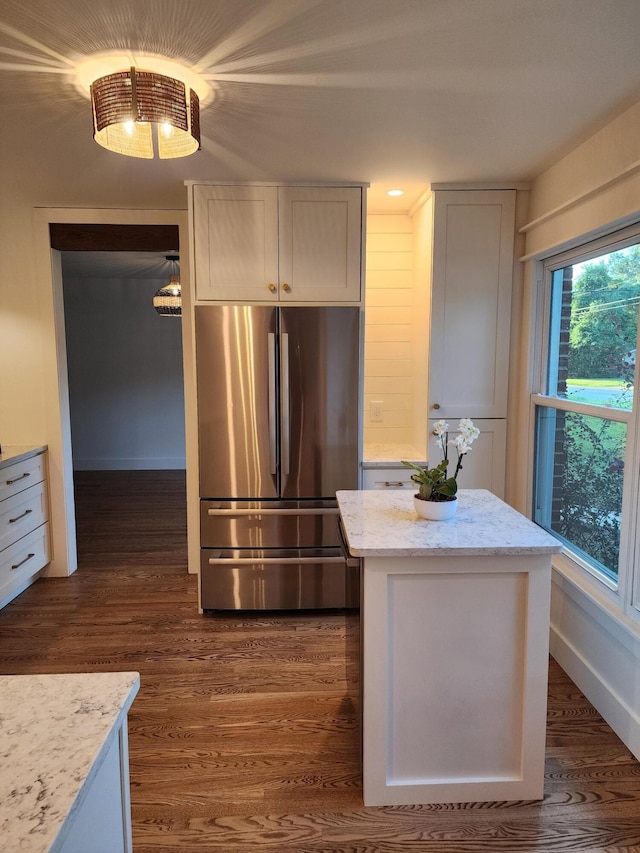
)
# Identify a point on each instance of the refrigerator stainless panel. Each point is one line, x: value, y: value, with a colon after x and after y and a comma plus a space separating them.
x: 237, y: 405
x: 279, y: 579
x: 268, y: 524
x: 319, y: 369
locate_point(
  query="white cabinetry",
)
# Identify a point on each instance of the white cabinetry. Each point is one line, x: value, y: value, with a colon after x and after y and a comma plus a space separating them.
x: 455, y: 621
x: 484, y: 466
x: 468, y: 252
x: 387, y: 478
x: 473, y: 235
x: 24, y: 529
x: 277, y: 244
x: 103, y: 820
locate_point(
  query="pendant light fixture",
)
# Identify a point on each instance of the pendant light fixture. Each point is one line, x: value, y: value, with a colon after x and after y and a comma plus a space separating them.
x: 168, y: 300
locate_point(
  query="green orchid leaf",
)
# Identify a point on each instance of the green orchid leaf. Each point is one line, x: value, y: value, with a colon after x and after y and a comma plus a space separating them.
x: 448, y: 487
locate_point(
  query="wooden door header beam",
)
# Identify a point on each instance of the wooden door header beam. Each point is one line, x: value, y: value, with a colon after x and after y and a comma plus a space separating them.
x: 114, y: 238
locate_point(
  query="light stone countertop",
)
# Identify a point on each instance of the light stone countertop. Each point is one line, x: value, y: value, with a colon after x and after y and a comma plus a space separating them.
x: 385, y: 523
x: 19, y: 452
x: 53, y: 735
x: 391, y: 455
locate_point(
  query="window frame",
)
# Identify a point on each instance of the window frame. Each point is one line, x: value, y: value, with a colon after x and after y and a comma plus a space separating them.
x: 625, y: 593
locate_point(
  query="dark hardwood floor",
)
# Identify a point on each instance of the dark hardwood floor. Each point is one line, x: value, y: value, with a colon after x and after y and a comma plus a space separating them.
x: 244, y: 735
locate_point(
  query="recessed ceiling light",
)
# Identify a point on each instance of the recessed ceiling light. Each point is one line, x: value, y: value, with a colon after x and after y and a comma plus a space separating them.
x: 395, y: 192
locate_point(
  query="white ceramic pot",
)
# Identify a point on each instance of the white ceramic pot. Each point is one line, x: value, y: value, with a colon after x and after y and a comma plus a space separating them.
x: 435, y: 510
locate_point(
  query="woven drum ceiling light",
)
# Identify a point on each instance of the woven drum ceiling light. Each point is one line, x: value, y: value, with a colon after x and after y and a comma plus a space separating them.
x: 128, y: 104
x: 143, y: 105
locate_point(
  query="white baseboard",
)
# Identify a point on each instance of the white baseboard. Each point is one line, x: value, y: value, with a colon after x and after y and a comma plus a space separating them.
x: 624, y: 721
x: 151, y: 464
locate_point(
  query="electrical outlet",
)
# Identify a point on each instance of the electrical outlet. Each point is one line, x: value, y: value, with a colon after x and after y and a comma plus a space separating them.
x: 375, y: 412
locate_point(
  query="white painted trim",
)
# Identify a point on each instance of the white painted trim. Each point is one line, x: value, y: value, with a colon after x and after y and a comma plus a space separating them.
x: 591, y: 619
x: 624, y: 721
x: 484, y: 185
x: 54, y: 369
x: 582, y: 196
x: 310, y: 184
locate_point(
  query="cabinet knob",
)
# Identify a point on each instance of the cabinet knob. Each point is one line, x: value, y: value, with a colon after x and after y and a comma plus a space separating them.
x: 286, y: 288
x: 436, y: 406
x: 272, y: 288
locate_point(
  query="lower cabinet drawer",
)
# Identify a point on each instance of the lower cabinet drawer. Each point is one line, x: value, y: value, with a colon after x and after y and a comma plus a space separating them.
x: 387, y: 478
x: 22, y: 513
x: 21, y: 475
x: 24, y: 558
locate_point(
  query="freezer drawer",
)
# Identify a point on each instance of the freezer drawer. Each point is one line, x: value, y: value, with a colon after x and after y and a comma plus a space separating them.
x: 277, y: 579
x: 268, y: 524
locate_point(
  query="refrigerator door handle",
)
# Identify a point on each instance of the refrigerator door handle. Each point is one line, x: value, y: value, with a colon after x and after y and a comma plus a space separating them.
x: 272, y: 402
x: 267, y: 561
x: 287, y: 511
x: 285, y: 402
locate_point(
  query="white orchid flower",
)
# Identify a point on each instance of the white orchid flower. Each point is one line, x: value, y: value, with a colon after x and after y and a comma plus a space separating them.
x: 461, y: 444
x: 468, y: 430
x: 440, y: 427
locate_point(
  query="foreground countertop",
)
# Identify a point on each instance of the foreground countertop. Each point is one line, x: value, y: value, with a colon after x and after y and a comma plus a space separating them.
x: 384, y: 523
x: 53, y: 735
x: 19, y: 452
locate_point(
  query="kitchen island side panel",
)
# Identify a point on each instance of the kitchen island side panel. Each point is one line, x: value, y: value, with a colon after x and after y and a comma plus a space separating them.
x: 455, y: 678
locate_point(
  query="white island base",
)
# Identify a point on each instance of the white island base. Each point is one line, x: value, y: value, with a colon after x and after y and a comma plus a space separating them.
x: 455, y: 621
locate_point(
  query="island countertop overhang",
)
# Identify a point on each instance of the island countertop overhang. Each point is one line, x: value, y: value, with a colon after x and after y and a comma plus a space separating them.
x: 384, y: 524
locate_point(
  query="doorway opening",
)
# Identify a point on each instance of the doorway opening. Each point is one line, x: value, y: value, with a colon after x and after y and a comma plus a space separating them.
x: 126, y: 410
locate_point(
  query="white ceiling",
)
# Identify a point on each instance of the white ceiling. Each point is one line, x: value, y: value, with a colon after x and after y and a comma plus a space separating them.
x: 391, y: 92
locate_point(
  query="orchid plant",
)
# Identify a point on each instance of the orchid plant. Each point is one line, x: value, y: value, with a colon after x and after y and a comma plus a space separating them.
x: 434, y: 485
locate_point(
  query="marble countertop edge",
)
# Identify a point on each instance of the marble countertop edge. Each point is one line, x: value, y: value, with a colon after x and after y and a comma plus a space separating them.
x: 12, y: 453
x: 379, y: 523
x: 55, y: 732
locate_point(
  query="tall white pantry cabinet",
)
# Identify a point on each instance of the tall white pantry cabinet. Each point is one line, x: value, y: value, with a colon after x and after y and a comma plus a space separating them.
x: 471, y: 244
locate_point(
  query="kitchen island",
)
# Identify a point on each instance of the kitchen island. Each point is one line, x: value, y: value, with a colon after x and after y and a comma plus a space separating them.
x: 455, y: 634
x: 64, y: 772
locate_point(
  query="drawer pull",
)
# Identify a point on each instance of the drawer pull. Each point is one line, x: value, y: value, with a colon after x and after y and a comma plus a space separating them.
x: 393, y: 484
x: 22, y: 515
x: 22, y: 562
x: 17, y: 479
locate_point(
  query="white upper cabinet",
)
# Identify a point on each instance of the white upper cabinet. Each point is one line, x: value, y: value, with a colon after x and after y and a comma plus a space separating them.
x: 236, y: 243
x: 473, y: 239
x: 277, y: 244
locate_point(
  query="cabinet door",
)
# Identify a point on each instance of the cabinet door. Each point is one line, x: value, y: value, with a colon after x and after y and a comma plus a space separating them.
x: 484, y: 466
x: 320, y: 243
x: 236, y: 243
x: 471, y: 303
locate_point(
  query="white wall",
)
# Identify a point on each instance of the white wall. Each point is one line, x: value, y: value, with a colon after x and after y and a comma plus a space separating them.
x: 126, y: 386
x: 394, y: 333
x: 595, y: 635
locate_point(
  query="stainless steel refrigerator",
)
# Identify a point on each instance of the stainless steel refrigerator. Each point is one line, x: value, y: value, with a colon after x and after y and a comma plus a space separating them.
x: 278, y: 417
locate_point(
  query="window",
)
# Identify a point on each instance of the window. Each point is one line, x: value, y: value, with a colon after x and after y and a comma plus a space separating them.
x: 585, y: 412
